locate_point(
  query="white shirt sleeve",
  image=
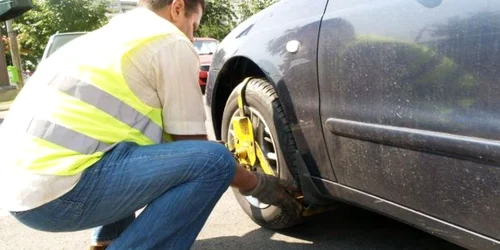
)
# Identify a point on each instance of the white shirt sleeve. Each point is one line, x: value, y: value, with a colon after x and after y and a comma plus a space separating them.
x: 176, y: 73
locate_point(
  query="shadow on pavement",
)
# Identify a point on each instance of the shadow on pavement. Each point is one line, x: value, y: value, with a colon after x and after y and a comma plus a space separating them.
x: 345, y: 228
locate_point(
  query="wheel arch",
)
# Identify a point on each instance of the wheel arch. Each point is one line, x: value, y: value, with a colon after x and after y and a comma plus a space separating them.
x: 234, y: 71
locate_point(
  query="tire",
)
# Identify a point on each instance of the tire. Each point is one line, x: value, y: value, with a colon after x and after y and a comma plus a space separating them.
x: 263, y: 103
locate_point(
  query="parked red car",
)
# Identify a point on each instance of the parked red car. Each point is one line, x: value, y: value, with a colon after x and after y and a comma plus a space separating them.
x: 205, y: 47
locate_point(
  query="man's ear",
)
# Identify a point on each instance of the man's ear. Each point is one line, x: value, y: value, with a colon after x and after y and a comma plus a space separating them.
x: 177, y: 9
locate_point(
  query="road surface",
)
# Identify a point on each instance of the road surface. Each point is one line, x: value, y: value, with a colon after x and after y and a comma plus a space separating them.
x: 229, y: 228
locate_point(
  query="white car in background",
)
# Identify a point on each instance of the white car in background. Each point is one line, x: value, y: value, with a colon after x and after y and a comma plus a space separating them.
x: 58, y: 40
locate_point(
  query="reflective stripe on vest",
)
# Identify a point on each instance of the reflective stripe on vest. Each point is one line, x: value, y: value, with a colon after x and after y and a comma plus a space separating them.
x: 84, y: 123
x: 59, y: 135
x: 109, y: 104
x: 88, y: 93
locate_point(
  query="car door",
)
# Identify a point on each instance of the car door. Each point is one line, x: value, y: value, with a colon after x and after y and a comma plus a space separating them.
x: 410, y: 103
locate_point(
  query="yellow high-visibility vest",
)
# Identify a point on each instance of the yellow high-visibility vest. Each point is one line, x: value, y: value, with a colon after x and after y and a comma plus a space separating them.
x: 91, y: 106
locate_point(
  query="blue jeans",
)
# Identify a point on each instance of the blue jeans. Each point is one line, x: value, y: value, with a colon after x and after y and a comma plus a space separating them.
x: 179, y: 183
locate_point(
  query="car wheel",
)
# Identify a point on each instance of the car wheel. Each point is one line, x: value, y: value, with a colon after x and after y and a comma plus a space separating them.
x: 266, y: 114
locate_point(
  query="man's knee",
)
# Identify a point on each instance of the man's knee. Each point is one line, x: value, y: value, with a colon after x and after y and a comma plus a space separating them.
x: 220, y: 157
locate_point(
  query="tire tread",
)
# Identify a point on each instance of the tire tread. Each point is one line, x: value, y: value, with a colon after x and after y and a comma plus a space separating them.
x: 282, y: 219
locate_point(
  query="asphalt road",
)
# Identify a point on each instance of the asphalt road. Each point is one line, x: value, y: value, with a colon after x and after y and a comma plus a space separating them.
x: 229, y: 228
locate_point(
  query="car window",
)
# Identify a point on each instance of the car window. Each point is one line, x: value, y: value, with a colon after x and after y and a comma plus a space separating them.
x: 205, y: 47
x: 60, y: 41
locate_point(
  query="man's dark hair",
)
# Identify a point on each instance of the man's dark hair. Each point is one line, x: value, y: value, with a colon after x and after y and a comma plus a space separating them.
x: 191, y: 5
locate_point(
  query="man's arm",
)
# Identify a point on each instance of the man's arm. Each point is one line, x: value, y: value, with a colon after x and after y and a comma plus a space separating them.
x: 176, y: 74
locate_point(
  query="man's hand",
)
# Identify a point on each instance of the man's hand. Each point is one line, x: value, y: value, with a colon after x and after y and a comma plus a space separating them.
x: 273, y: 191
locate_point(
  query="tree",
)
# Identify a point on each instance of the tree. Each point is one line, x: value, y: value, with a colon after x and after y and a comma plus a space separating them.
x: 51, y: 16
x: 218, y: 19
x: 221, y: 16
x: 250, y: 7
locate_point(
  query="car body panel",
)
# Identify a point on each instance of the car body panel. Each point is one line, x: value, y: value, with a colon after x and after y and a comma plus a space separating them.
x: 395, y: 111
x: 444, y: 229
x: 205, y: 47
x: 263, y: 39
x: 205, y: 60
x: 410, y: 100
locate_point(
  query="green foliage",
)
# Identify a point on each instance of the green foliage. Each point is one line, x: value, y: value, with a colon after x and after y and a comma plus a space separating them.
x: 250, y: 7
x: 51, y: 16
x: 221, y: 16
x: 218, y: 19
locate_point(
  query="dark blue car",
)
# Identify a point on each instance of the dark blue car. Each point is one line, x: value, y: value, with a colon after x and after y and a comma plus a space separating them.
x: 390, y: 105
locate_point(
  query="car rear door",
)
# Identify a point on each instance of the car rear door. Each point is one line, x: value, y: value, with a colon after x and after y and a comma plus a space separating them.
x: 410, y: 103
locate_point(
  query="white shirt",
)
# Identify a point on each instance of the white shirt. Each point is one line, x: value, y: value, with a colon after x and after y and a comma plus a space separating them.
x: 163, y: 74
